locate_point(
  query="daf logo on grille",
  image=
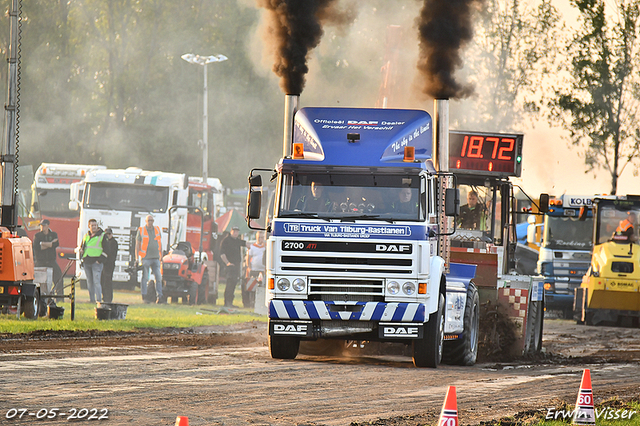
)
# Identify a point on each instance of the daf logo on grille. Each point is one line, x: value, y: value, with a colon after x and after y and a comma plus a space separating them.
x: 400, y: 331
x: 399, y: 248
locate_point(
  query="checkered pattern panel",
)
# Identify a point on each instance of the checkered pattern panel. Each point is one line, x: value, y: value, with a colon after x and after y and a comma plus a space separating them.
x: 517, y: 299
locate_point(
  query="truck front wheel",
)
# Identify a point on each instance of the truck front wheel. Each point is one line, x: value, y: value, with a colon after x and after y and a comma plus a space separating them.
x: 465, y: 351
x: 30, y: 305
x: 284, y: 347
x: 427, y: 352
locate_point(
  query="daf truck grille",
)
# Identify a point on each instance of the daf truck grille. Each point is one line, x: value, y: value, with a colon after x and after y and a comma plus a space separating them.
x: 367, y: 265
x: 347, y: 290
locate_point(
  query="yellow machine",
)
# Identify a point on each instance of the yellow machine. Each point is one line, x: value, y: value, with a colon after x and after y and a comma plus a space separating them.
x: 610, y: 290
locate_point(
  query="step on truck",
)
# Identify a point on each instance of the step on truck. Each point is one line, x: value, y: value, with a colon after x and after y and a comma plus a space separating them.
x: 357, y: 246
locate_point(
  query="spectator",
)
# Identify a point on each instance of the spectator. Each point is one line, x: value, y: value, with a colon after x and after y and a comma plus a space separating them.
x: 111, y: 249
x: 93, y: 257
x: 255, y: 269
x: 44, y: 253
x: 231, y: 255
x: 148, y: 249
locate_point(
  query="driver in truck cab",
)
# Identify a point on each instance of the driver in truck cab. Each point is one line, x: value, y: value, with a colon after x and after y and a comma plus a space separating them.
x: 625, y: 232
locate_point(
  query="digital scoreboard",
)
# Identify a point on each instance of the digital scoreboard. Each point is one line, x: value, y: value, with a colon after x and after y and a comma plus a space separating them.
x: 493, y: 154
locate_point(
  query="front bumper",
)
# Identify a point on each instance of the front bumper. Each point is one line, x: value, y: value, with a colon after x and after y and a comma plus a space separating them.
x: 347, y: 311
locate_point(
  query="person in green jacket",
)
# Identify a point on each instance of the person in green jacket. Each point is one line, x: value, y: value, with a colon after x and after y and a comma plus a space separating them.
x: 93, y: 258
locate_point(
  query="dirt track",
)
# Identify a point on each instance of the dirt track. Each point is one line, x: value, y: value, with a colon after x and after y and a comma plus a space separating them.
x: 219, y: 375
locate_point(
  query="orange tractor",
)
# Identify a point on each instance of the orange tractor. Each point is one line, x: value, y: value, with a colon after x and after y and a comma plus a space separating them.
x: 184, y: 273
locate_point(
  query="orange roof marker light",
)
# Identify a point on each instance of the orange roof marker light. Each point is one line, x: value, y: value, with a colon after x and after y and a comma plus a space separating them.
x: 409, y: 154
x: 298, y: 151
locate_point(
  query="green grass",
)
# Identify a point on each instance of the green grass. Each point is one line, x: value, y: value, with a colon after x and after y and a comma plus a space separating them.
x: 608, y: 408
x: 139, y: 315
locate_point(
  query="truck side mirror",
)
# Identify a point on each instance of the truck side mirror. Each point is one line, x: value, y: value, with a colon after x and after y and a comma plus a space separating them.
x: 255, y: 180
x: 543, y: 203
x: 452, y: 202
x: 584, y: 212
x: 254, y: 204
x: 74, y: 205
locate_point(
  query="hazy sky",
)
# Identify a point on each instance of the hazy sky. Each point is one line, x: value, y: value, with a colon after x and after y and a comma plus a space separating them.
x: 549, y: 165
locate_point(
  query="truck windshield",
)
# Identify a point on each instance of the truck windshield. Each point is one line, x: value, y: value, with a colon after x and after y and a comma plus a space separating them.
x: 370, y: 196
x: 113, y: 196
x: 567, y: 233
x: 54, y: 202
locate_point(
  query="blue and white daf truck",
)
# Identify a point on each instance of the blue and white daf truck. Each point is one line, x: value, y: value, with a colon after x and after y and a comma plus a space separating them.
x: 355, y: 249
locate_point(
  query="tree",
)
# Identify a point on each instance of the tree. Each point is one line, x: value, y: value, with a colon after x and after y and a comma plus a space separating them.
x: 599, y: 107
x: 513, y: 44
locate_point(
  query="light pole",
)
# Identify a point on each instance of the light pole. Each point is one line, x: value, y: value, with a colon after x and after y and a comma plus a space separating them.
x: 204, y: 60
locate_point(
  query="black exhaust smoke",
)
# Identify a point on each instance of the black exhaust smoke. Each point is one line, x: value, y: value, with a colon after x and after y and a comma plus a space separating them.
x: 444, y: 26
x: 294, y: 28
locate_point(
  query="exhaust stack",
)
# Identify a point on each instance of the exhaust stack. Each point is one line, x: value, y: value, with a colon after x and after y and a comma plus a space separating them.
x: 441, y: 150
x: 290, y: 107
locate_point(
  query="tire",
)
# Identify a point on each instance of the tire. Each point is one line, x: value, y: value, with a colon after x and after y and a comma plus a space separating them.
x: 427, y: 352
x: 203, y: 290
x: 535, y: 342
x: 30, y: 305
x: 151, y: 291
x: 283, y: 347
x: 193, y: 293
x: 465, y: 351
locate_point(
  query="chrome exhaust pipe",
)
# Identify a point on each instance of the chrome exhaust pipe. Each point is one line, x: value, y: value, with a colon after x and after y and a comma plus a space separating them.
x: 441, y: 151
x: 290, y: 107
x: 441, y: 128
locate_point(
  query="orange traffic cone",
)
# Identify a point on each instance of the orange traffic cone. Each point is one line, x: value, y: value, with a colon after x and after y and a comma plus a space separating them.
x: 583, y: 414
x: 182, y: 421
x: 449, y: 413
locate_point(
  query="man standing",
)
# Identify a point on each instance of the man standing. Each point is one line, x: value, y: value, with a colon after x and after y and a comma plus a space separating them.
x: 93, y: 257
x: 148, y: 249
x: 231, y: 255
x: 111, y: 249
x: 255, y: 267
x: 44, y: 253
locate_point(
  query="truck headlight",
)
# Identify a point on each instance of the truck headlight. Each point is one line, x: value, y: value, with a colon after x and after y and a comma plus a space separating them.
x: 283, y: 284
x: 409, y: 288
x: 298, y: 284
x: 393, y: 287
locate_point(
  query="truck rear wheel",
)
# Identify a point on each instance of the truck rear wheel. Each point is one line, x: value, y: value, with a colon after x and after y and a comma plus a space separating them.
x: 203, y: 289
x: 30, y: 305
x: 465, y: 351
x: 284, y: 347
x: 427, y: 352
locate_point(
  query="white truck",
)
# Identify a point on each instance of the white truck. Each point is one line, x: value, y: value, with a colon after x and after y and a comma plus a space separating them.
x: 121, y: 199
x: 364, y: 258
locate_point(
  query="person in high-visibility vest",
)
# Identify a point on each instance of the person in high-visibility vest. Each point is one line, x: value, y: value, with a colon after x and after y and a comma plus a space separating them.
x: 93, y: 258
x: 626, y: 229
x: 148, y: 251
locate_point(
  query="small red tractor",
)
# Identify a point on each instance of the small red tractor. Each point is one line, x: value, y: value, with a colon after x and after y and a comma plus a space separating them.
x: 184, y: 275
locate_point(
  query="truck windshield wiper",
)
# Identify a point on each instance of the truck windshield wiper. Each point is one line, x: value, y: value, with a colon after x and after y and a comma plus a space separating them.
x: 365, y: 216
x: 305, y: 215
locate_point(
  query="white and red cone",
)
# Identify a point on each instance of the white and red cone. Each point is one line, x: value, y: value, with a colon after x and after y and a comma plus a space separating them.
x: 449, y: 413
x: 182, y: 421
x: 584, y: 414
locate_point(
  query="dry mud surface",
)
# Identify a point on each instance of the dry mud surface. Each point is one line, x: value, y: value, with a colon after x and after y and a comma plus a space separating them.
x: 224, y: 376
